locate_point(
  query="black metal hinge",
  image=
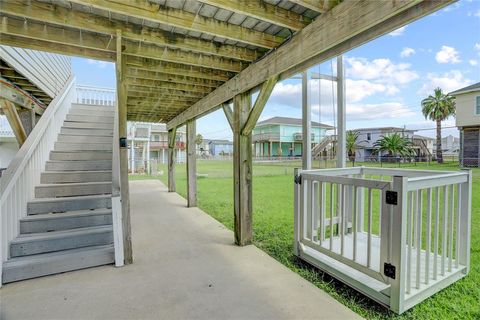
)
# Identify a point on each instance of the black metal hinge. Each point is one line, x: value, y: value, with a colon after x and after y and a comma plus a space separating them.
x: 298, y: 179
x: 389, y: 270
x: 391, y: 197
x: 123, y: 143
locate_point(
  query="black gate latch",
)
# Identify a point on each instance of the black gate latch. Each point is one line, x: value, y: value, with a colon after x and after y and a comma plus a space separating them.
x: 298, y: 179
x: 391, y: 197
x: 389, y: 270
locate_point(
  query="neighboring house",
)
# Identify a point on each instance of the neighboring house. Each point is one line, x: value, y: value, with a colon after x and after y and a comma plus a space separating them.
x: 220, y: 147
x: 424, y: 147
x: 150, y: 142
x: 368, y: 137
x: 203, y: 149
x: 281, y: 136
x: 468, y: 122
x: 8, y: 144
x: 450, y: 146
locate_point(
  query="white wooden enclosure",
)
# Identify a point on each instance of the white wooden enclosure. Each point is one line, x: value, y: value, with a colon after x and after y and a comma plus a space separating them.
x: 396, y: 235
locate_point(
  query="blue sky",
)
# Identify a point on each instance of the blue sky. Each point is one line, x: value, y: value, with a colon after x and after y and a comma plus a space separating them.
x: 386, y: 78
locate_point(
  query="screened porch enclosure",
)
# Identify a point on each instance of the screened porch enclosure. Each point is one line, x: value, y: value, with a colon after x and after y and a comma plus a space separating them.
x: 398, y: 236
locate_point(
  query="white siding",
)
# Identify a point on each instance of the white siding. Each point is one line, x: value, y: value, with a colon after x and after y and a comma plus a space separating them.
x: 466, y: 109
x: 47, y: 71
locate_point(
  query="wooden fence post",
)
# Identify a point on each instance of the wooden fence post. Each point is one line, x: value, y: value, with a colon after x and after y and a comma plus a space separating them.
x: 191, y: 165
x: 171, y: 159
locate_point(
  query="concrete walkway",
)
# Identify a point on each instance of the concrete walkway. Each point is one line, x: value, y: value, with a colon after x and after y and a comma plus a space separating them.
x: 186, y: 267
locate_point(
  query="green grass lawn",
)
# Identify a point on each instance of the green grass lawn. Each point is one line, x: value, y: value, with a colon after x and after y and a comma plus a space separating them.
x: 273, y: 233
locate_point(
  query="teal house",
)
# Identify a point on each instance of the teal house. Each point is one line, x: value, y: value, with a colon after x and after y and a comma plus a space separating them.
x: 282, y: 137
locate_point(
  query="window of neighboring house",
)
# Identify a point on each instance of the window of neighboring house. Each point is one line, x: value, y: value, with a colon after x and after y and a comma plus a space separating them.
x: 369, y: 136
x: 477, y: 106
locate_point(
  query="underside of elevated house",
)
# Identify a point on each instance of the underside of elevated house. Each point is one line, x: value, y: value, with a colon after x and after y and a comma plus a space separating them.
x: 177, y: 61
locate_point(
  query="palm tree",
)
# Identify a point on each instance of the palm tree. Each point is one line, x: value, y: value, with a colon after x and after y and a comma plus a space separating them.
x: 352, y: 145
x: 395, y: 144
x: 438, y: 108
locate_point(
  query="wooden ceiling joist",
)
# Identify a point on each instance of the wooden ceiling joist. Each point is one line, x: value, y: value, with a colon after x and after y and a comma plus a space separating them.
x: 150, y: 75
x: 164, y: 91
x: 167, y: 85
x: 143, y: 9
x: 88, y: 42
x: 178, y: 69
x: 263, y: 11
x: 57, y: 15
x: 316, y: 5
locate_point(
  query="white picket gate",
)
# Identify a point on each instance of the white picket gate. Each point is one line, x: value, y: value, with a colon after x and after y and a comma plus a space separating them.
x: 396, y: 235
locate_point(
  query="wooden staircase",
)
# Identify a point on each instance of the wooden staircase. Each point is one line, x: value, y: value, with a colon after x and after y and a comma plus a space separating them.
x: 69, y: 222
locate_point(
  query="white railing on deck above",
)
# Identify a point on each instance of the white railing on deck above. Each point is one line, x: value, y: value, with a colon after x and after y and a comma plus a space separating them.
x: 96, y: 96
x: 19, y: 180
x: 5, y: 129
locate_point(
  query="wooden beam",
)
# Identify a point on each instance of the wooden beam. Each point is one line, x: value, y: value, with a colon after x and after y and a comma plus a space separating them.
x: 242, y: 171
x: 158, y: 98
x: 228, y: 114
x: 160, y: 76
x: 165, y: 92
x: 257, y: 109
x: 40, y: 45
x: 19, y: 96
x: 143, y: 9
x: 183, y: 57
x: 57, y: 15
x: 122, y: 130
x: 97, y: 46
x: 191, y: 164
x: 178, y: 69
x: 341, y: 147
x: 315, y: 5
x: 263, y: 11
x: 171, y: 159
x: 167, y: 85
x: 10, y: 111
x: 349, y: 24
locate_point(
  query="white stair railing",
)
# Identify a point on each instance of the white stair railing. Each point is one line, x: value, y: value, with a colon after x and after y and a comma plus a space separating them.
x: 116, y: 196
x: 19, y: 180
x: 96, y: 96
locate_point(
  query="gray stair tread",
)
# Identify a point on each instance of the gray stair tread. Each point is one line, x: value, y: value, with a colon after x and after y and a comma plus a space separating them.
x: 63, y: 199
x: 73, y: 184
x: 22, y: 238
x: 76, y: 171
x: 67, y: 214
x: 25, y: 260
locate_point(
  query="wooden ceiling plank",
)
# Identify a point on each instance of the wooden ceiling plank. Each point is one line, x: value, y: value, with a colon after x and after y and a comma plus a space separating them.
x: 57, y: 15
x: 263, y: 11
x: 167, y: 85
x: 150, y: 75
x: 143, y: 9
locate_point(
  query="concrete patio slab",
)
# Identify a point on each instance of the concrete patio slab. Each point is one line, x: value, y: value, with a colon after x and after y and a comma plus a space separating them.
x: 186, y: 267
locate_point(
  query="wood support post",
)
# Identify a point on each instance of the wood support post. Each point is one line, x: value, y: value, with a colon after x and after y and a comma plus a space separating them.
x: 228, y: 114
x: 191, y: 164
x: 14, y: 120
x: 242, y: 170
x: 341, y: 121
x: 122, y: 131
x: 306, y: 124
x: 171, y: 159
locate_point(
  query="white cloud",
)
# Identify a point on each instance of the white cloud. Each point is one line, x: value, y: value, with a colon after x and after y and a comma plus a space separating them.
x: 99, y: 64
x: 380, y: 71
x: 398, y: 32
x: 447, y: 55
x: 477, y: 46
x: 448, y: 82
x: 473, y: 62
x: 356, y: 90
x: 407, y: 52
x: 477, y: 13
x: 358, y: 111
